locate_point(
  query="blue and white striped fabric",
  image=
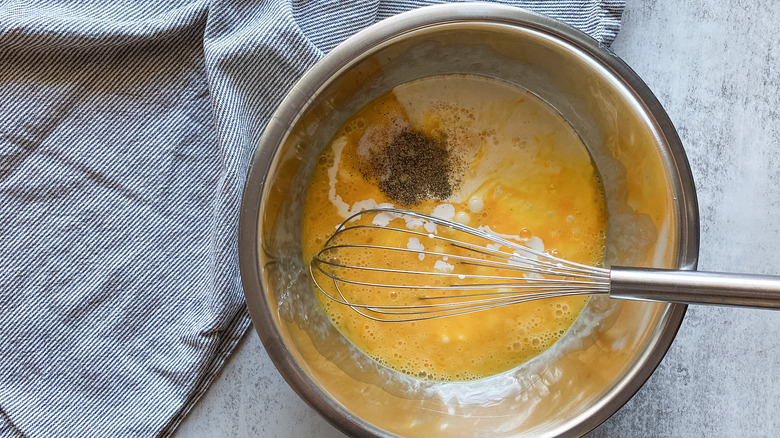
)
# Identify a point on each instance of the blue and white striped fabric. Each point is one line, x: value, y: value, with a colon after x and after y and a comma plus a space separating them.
x: 126, y: 128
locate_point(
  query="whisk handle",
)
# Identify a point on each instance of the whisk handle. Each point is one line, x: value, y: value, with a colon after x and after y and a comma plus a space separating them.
x: 694, y: 287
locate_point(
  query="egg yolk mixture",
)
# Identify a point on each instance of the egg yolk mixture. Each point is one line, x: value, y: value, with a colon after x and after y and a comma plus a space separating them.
x: 481, y: 152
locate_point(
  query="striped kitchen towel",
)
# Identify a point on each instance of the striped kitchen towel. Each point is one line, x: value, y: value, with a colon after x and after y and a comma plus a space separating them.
x: 126, y: 129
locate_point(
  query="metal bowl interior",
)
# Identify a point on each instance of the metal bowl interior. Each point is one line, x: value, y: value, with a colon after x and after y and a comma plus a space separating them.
x: 653, y: 221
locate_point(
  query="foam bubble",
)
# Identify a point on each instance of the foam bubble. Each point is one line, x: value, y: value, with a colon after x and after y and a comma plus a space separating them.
x: 415, y: 245
x: 462, y: 218
x: 444, y: 211
x: 476, y: 204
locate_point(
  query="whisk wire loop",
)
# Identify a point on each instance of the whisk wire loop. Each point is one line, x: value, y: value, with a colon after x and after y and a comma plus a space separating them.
x: 487, y: 276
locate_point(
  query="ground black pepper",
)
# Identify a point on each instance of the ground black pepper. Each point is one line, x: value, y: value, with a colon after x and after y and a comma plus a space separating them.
x: 414, y: 166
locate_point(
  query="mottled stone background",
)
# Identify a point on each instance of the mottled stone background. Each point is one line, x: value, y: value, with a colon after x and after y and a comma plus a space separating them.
x: 715, y: 66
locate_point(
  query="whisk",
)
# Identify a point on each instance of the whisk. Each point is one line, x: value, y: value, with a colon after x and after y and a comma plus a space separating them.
x: 375, y: 263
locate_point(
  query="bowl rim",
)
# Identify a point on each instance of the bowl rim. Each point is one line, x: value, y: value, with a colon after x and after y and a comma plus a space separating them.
x: 353, y: 49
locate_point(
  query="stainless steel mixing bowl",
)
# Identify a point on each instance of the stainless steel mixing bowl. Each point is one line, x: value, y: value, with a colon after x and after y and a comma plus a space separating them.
x: 653, y: 221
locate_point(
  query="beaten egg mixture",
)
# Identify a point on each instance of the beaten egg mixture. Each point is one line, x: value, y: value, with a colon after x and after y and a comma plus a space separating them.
x: 514, y: 168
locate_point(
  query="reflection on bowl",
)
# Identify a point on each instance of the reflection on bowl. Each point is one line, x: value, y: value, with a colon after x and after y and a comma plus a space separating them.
x: 610, y: 350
